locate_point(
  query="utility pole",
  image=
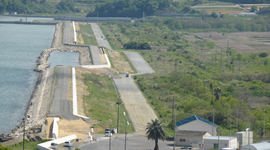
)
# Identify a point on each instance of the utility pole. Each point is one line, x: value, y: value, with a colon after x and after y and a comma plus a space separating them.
x: 174, y: 130
x: 173, y: 111
x: 213, y: 121
x: 221, y: 61
x: 97, y: 17
x: 126, y: 132
x: 263, y: 125
x: 23, y: 131
x: 118, y: 116
x: 110, y: 137
x: 218, y: 138
x: 197, y: 87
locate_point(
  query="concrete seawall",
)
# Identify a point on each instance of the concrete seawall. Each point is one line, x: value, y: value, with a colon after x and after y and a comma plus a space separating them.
x: 28, y: 23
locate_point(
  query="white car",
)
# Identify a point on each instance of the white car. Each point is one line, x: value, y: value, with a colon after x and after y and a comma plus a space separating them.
x: 68, y: 144
x: 54, y: 146
x: 108, y: 133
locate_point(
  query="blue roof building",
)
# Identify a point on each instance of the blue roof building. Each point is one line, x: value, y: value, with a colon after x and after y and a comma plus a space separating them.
x: 196, y: 123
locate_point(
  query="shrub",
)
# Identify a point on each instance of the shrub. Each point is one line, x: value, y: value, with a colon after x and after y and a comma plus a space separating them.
x: 264, y: 54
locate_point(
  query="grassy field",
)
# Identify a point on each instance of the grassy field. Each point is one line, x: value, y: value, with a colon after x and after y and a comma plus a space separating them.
x: 27, y: 145
x: 187, y: 72
x: 88, y: 40
x: 100, y: 104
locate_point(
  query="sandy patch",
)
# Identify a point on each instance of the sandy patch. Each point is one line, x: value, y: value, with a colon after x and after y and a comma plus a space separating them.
x: 78, y: 127
x: 103, y: 59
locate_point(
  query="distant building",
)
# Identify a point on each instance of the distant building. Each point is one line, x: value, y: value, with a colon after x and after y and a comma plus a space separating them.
x: 189, y: 138
x: 257, y: 146
x: 222, y: 141
x: 244, y: 138
x: 196, y: 123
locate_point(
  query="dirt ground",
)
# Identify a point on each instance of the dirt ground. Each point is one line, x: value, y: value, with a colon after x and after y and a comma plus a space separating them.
x: 103, y: 59
x: 79, y: 36
x: 242, y: 42
x: 120, y: 64
x: 78, y: 127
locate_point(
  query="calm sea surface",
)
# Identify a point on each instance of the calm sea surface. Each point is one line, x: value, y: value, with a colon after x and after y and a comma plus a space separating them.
x: 20, y: 45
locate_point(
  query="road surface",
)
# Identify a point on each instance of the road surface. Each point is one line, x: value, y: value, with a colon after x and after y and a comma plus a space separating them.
x: 134, y: 142
x: 68, y: 33
x: 61, y: 105
x: 139, y: 111
x: 139, y: 63
x: 96, y: 55
x: 100, y: 38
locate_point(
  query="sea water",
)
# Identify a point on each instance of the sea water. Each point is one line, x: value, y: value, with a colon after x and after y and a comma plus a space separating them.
x: 20, y: 45
x: 63, y: 58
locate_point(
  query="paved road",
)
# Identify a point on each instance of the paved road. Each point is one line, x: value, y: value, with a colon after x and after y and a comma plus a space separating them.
x: 139, y: 63
x: 98, y: 33
x: 139, y: 110
x: 96, y: 55
x: 60, y: 105
x: 134, y: 142
x: 68, y: 33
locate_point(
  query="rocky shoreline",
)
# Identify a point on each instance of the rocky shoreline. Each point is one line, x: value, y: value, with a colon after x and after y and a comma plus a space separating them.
x: 40, y: 100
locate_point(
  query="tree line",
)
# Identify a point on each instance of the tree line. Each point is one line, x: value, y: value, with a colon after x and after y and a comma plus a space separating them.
x: 36, y: 6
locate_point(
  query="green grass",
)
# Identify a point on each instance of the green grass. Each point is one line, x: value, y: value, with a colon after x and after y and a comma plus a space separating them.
x: 86, y: 28
x: 194, y: 68
x: 100, y: 104
x: 27, y: 145
x: 88, y: 40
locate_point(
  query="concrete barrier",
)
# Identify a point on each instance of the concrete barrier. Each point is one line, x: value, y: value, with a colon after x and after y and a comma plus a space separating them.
x: 47, y: 145
x: 55, y: 128
x: 100, y: 66
x: 75, y: 108
x: 74, y: 31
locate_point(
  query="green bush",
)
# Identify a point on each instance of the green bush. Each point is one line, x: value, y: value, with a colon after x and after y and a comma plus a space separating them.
x: 263, y: 54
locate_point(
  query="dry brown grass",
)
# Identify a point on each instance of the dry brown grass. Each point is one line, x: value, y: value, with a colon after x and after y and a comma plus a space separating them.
x: 119, y: 62
x: 242, y: 42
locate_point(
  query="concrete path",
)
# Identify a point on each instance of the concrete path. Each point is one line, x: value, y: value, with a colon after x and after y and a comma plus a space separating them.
x: 139, y: 110
x: 96, y: 55
x: 139, y: 63
x: 68, y: 33
x: 60, y: 105
x: 98, y: 35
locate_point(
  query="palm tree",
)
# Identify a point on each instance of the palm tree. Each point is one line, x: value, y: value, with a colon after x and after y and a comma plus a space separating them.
x: 211, y: 89
x: 154, y: 131
x: 217, y: 92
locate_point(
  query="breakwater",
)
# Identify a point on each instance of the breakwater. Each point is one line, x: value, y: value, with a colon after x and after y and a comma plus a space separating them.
x: 28, y: 23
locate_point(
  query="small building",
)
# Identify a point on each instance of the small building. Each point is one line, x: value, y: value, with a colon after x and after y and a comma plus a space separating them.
x: 257, y: 146
x: 244, y: 138
x: 189, y: 138
x: 222, y: 141
x: 196, y: 123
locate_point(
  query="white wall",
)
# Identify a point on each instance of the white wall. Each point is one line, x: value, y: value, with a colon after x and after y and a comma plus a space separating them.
x: 47, y: 145
x: 55, y: 128
x: 209, y: 143
x: 197, y: 125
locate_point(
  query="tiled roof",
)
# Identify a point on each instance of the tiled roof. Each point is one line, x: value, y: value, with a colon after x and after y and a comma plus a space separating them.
x: 191, y: 133
x: 193, y: 118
